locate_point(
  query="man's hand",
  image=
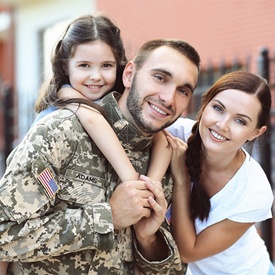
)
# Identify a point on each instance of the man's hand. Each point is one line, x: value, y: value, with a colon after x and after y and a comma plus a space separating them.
x: 129, y: 203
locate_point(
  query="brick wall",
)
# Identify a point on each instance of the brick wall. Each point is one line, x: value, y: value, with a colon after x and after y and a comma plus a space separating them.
x: 217, y: 29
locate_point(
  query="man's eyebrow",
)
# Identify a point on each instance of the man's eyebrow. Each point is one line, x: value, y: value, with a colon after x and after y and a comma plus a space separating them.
x: 164, y: 71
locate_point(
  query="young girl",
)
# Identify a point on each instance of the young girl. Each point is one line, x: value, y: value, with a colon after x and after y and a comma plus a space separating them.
x: 214, y: 226
x: 90, y: 58
x: 87, y: 63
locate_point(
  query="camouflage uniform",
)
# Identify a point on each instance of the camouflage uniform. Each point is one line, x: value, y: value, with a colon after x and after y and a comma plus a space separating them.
x: 54, y: 212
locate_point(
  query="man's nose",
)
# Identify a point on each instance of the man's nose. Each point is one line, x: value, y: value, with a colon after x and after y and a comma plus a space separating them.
x: 168, y: 96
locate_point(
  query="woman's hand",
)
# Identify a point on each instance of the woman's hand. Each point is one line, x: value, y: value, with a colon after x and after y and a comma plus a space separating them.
x: 179, y: 148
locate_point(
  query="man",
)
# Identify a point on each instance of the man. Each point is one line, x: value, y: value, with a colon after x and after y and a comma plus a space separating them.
x: 62, y: 210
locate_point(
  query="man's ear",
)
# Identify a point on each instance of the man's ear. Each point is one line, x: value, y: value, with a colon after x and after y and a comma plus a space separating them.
x: 128, y: 74
x: 258, y: 132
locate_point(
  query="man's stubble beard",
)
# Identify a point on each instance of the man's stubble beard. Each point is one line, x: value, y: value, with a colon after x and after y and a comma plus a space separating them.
x: 135, y: 109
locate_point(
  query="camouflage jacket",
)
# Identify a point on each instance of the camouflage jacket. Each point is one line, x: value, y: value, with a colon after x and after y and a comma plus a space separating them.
x: 54, y: 212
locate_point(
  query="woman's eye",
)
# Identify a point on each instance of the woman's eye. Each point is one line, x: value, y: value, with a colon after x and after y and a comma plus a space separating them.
x: 240, y: 121
x: 218, y: 108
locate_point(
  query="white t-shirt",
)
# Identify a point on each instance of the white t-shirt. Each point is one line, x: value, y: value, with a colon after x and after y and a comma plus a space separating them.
x: 181, y: 128
x: 247, y: 197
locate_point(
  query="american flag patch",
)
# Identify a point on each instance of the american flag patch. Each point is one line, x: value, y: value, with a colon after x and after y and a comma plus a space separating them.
x: 168, y: 215
x: 48, y: 182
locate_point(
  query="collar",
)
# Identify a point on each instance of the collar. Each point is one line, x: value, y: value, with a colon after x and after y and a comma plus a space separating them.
x: 130, y: 136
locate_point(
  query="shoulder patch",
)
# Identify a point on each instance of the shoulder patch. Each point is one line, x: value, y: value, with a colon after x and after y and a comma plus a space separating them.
x: 47, y: 180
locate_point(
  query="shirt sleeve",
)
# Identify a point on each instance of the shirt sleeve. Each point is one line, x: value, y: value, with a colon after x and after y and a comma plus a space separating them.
x: 34, y: 222
x: 181, y: 128
x: 171, y: 265
x: 44, y: 113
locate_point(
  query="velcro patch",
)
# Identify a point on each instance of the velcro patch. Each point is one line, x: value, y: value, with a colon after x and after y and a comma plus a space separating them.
x: 47, y: 180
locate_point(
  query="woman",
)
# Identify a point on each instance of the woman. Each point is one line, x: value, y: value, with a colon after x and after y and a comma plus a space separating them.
x: 213, y: 218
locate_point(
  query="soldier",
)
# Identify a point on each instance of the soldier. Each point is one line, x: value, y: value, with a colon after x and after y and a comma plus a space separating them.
x: 63, y: 208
